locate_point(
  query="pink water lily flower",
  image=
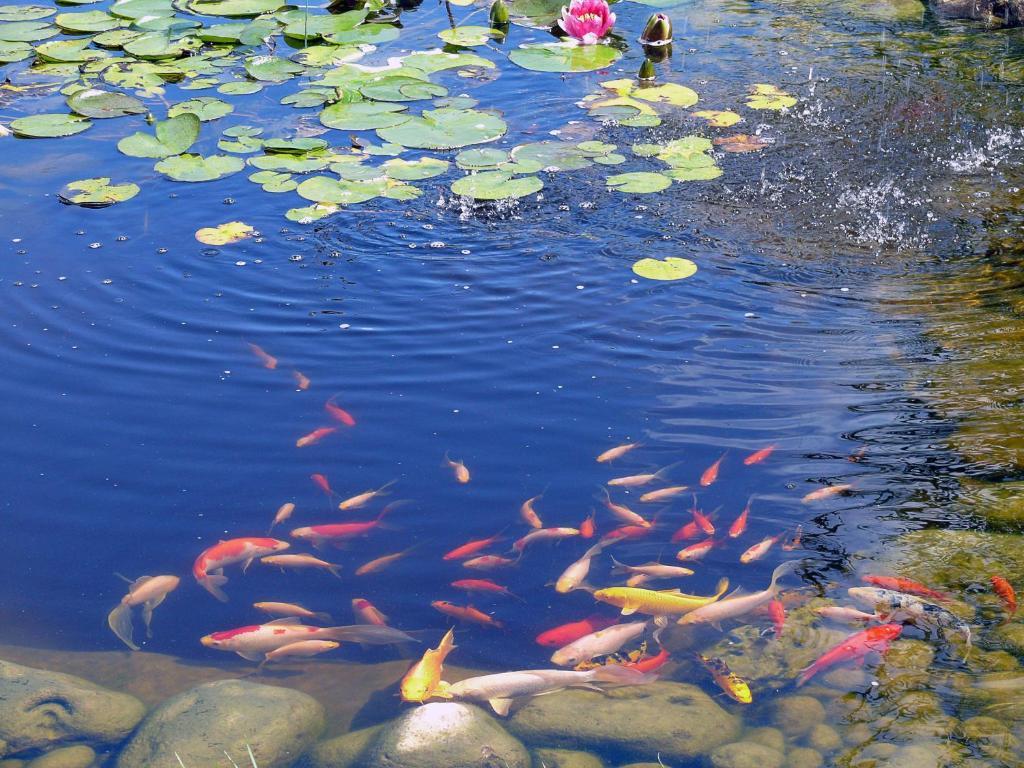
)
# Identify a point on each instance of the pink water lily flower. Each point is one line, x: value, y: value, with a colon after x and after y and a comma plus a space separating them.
x: 587, y: 20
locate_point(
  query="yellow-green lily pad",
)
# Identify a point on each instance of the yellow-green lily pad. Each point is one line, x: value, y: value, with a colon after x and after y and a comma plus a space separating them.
x: 671, y: 268
x: 766, y: 96
x: 496, y: 185
x: 638, y: 182
x: 223, y: 234
x: 96, y: 193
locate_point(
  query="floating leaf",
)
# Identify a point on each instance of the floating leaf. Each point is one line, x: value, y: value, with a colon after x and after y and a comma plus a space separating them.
x: 496, y: 185
x: 303, y: 26
x: 640, y: 182
x: 272, y: 181
x: 687, y: 157
x: 718, y: 118
x: 564, y: 57
x: 612, y: 158
x: 206, y: 108
x: 552, y: 155
x: 290, y: 163
x: 481, y: 159
x: 741, y: 142
x: 672, y: 268
x: 468, y: 36
x: 324, y: 189
x: 310, y: 97
x: 49, y: 126
x: 89, y: 21
x: 352, y: 169
x: 27, y: 31
x: 161, y: 45
x: 139, y: 75
x: 769, y: 97
x: 223, y: 234
x: 94, y: 102
x: 241, y: 145
x: 299, y: 146
x: 446, y: 128
x: 327, y: 55
x: 96, y: 193
x: 415, y: 170
x: 537, y: 14
x: 362, y: 115
x: 438, y: 61
x: 195, y: 168
x: 68, y: 51
x: 239, y: 88
x: 25, y: 12
x: 402, y: 88
x: 138, y: 9
x: 364, y: 34
x: 456, y: 102
x: 11, y: 52
x: 115, y: 38
x: 669, y: 93
x: 385, y: 150
x: 311, y: 213
x: 172, y: 137
x: 272, y: 69
x: 235, y: 8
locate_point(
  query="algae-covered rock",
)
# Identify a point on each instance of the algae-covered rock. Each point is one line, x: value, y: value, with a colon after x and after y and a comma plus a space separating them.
x: 956, y: 560
x: 1011, y: 638
x: 567, y: 758
x: 342, y: 751
x: 746, y: 754
x: 79, y: 756
x: 229, y: 716
x: 674, y: 720
x: 796, y: 715
x: 804, y: 757
x: 824, y: 738
x: 1000, y: 504
x: 768, y: 737
x: 41, y: 710
x: 445, y: 735
x: 988, y: 732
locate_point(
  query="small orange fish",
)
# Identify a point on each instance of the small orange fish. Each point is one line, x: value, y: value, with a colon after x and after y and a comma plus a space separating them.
x: 367, y: 613
x: 315, y: 436
x: 825, y: 493
x: 663, y: 493
x: 758, y: 456
x: 695, y: 551
x: 622, y: 512
x: 482, y: 585
x: 689, y: 531
x: 461, y: 472
x: 618, y: 451
x: 790, y: 544
x: 777, y: 612
x: 380, y: 563
x: 488, y: 562
x: 470, y: 548
x: 529, y: 514
x: 588, y: 528
x: 628, y: 532
x: 301, y: 380
x: 283, y: 513
x: 360, y: 500
x: 321, y: 483
x: 649, y: 663
x: 759, y: 550
x: 739, y: 525
x: 339, y: 414
x: 269, y: 361
x: 703, y: 521
x: 543, y: 534
x: 466, y: 613
x: 711, y: 473
x: 858, y: 456
x: 1004, y: 589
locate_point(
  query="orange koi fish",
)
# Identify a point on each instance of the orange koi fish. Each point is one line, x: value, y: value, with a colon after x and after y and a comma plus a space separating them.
x: 301, y: 561
x: 562, y: 635
x: 283, y: 513
x: 623, y: 513
x: 423, y: 680
x: 790, y: 544
x: 703, y: 521
x: 628, y: 532
x: 1004, y: 589
x: 663, y: 493
x: 301, y: 380
x: 483, y: 585
x: 689, y: 531
x: 321, y: 483
x: 758, y: 456
x: 470, y: 548
x: 760, y: 549
x: 777, y: 613
x: 488, y: 562
x: 208, y: 568
x: 367, y: 612
x: 588, y: 528
x: 380, y: 563
x: 339, y: 414
x: 361, y: 500
x: 907, y: 586
x: 543, y: 534
x: 739, y: 525
x: 291, y: 609
x: 711, y: 473
x: 695, y: 551
x: 649, y: 663
x: 617, y: 452
x: 826, y: 493
x: 734, y: 686
x: 459, y: 468
x: 335, y: 533
x: 315, y: 436
x: 529, y: 515
x: 854, y: 648
x: 466, y: 613
x: 269, y: 361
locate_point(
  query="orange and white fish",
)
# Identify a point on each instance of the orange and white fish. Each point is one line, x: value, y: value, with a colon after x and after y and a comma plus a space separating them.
x: 470, y: 548
x: 758, y: 456
x: 283, y: 513
x: 529, y: 514
x: 845, y: 613
x: 321, y: 482
x: 361, y: 500
x: 255, y: 641
x: 628, y: 532
x: 695, y: 551
x: 632, y: 481
x: 303, y: 649
x: 651, y: 570
x: 826, y: 493
x: 617, y: 452
x: 575, y: 576
x: 380, y: 563
x: 147, y: 591
x: 269, y: 361
x: 208, y: 568
x: 663, y: 494
x: 739, y: 525
x: 301, y: 561
x: 368, y: 613
x: 284, y: 610
x: 466, y: 613
x: 339, y: 414
x: 703, y: 521
x: 623, y: 513
x: 588, y: 528
x: 543, y: 534
x: 488, y: 562
x: 711, y: 473
x: 423, y: 680
x: 301, y: 380
x: 335, y: 533
x: 760, y: 549
x: 459, y: 468
x: 483, y: 585
x: 315, y: 436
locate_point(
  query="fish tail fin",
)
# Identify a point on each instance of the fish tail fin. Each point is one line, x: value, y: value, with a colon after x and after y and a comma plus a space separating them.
x: 447, y: 644
x: 334, y: 569
x: 619, y: 568
x: 120, y: 622
x: 387, y: 485
x: 723, y: 585
x: 806, y: 674
x: 660, y: 474
x: 615, y: 674
x: 213, y: 583
x: 368, y: 634
x: 782, y: 570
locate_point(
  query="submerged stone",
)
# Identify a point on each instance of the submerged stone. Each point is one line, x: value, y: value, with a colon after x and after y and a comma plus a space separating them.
x: 769, y: 737
x: 796, y: 715
x: 229, y: 716
x: 1008, y: 13
x: 79, y: 756
x: 824, y: 738
x: 746, y: 754
x: 567, y: 758
x: 803, y: 757
x: 342, y: 751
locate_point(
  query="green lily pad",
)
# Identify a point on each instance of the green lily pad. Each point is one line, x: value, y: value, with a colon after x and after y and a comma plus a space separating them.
x: 446, y: 128
x: 309, y: 97
x: 225, y: 234
x: 552, y: 155
x: 612, y: 158
x: 324, y: 189
x: 193, y: 168
x: 25, y: 12
x: 272, y: 69
x: 386, y: 149
x: 161, y: 45
x: 687, y: 158
x: 142, y: 76
x: 484, y: 158
x: 468, y: 36
x: 456, y: 102
x: 11, y: 52
x: 672, y: 268
x: 86, y: 22
x: 27, y: 31
x: 272, y: 181
x: 769, y: 97
x: 299, y: 146
x: 438, y: 61
x: 97, y: 103
x: 139, y: 9
x: 302, y: 26
x: 96, y: 193
x: 239, y: 88
x: 206, y: 108
x: 536, y: 14
x: 496, y: 185
x: 356, y: 171
x: 363, y: 115
x: 172, y: 137
x: 240, y: 145
x: 718, y: 118
x: 289, y: 163
x: 311, y: 213
x: 327, y: 55
x: 564, y: 57
x: 640, y: 182
x: 415, y: 170
x: 49, y: 126
x: 69, y: 51
x: 115, y: 38
x: 402, y: 88
x: 235, y: 8
x: 364, y: 34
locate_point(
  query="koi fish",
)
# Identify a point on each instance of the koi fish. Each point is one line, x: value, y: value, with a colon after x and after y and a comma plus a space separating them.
x: 315, y: 436
x: 600, y: 643
x: 856, y: 647
x: 301, y: 561
x: 651, y: 570
x: 760, y: 549
x: 283, y: 513
x: 361, y: 500
x: 483, y: 585
x: 208, y: 569
x: 335, y: 533
x: 459, y: 468
x: 543, y: 534
x: 564, y: 634
x: 501, y: 690
x: 631, y: 481
x: 647, y: 601
x: 826, y: 493
x: 145, y: 591
x: 529, y: 515
x: 367, y: 612
x: 663, y: 493
x: 899, y: 606
x: 303, y: 649
x: 739, y: 525
x: 623, y: 513
x: 735, y: 607
x: 423, y: 680
x: 711, y: 473
x: 291, y: 609
x: 269, y: 361
x: 254, y: 642
x: 380, y: 563
x: 588, y: 528
x: 339, y: 414
x: 321, y: 482
x: 907, y: 586
x: 858, y: 456
x: 703, y: 521
x: 777, y: 613
x: 575, y: 576
x: 695, y: 551
x: 470, y: 548
x: 466, y: 613
x: 1004, y: 589
x: 790, y: 544
x: 758, y: 456
x: 301, y: 380
x: 731, y: 684
x: 689, y: 531
x: 845, y: 613
x: 649, y: 664
x: 488, y: 562
x: 617, y: 452
x: 628, y: 532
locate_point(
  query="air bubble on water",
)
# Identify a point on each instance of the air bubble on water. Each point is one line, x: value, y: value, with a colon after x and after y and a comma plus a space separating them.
x: 107, y: 281
x: 749, y: 314
x: 412, y: 245
x: 845, y: 290
x: 240, y: 263
x: 257, y: 261
x: 437, y: 244
x: 18, y: 283
x: 563, y: 207
x: 62, y: 278
x: 80, y: 232
x: 121, y: 238
x: 587, y: 204
x: 295, y: 257
x: 344, y: 326
x: 211, y: 252
x: 466, y: 251
x: 259, y: 240
x: 229, y: 201
x: 22, y: 251
x: 580, y: 287
x: 94, y: 246
x: 428, y: 226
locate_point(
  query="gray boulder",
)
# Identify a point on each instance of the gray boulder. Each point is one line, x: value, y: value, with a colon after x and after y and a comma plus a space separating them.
x: 342, y: 751
x: 80, y: 756
x: 746, y: 754
x: 201, y: 724
x: 40, y: 710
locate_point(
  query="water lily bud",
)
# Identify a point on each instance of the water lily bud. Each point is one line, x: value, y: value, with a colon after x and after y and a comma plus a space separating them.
x: 499, y: 12
x: 646, y: 70
x: 658, y: 30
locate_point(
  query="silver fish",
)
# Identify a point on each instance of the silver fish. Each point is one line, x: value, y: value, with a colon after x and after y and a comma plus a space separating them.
x: 145, y: 591
x: 910, y: 609
x: 600, y: 643
x: 740, y: 605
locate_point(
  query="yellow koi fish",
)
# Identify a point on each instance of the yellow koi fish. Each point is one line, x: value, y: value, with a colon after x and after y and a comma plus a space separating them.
x: 656, y: 603
x: 423, y: 680
x: 733, y: 685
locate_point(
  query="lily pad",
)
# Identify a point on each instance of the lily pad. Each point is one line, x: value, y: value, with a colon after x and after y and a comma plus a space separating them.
x: 302, y: 26
x: 272, y: 69
x: 97, y: 103
x: 239, y: 88
x: 437, y: 61
x: 415, y: 170
x: 69, y: 51
x: 718, y: 118
x: 766, y: 96
x: 27, y: 31
x: 206, y: 108
x: 161, y: 45
x: 223, y: 234
x: 141, y: 76
x: 324, y: 189
x: 272, y: 181
x: 11, y: 52
x: 97, y: 193
x: 311, y: 213
x: 468, y: 36
x: 25, y: 12
x: 552, y: 155
x: 362, y: 115
x: 327, y: 55
x: 446, y: 128
x: 496, y: 185
x: 481, y: 159
x: 564, y: 57
x: 86, y: 22
x: 194, y: 168
x: 139, y: 9
x: 290, y: 163
x: 309, y: 97
x: 536, y: 14
x: 172, y: 137
x: 364, y: 34
x: 235, y: 8
x: 402, y: 88
x: 671, y: 268
x: 640, y: 182
x: 299, y: 146
x: 49, y: 126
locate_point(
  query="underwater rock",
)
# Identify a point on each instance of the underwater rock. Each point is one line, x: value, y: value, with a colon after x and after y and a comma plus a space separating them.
x: 1011, y: 637
x: 567, y: 758
x: 769, y: 737
x: 1008, y: 13
x: 796, y: 715
x: 802, y: 757
x: 824, y: 738
x: 1000, y: 504
x: 79, y: 756
x: 444, y: 735
x: 229, y: 716
x: 342, y: 751
x: 987, y: 733
x: 674, y: 720
x: 41, y: 710
x: 746, y: 754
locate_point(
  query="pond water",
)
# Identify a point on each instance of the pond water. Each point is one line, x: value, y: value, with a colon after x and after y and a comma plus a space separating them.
x: 855, y: 289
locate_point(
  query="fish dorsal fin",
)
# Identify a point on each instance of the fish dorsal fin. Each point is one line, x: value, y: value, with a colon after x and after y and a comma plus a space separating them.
x: 140, y: 581
x: 738, y: 592
x: 501, y: 707
x: 290, y: 620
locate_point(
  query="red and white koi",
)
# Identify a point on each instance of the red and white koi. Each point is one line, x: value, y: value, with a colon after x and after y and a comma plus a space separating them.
x: 255, y: 641
x: 488, y: 562
x: 856, y: 647
x: 368, y: 613
x: 760, y: 549
x: 208, y: 568
x: 529, y: 514
x: 696, y: 551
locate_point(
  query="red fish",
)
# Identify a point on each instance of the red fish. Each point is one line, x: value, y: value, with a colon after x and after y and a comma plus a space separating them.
x: 689, y: 531
x: 470, y: 548
x: 482, y: 585
x: 758, y: 456
x: 466, y: 613
x: 703, y: 521
x: 1004, y: 589
x: 269, y: 361
x: 711, y: 473
x: 777, y: 612
x: 588, y: 528
x: 339, y: 414
x: 315, y: 436
x: 649, y: 663
x: 562, y: 635
x: 628, y: 532
x: 208, y: 568
x: 907, y: 586
x: 321, y: 483
x: 739, y: 525
x: 335, y: 533
x: 856, y: 647
x: 695, y: 551
x: 368, y: 613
